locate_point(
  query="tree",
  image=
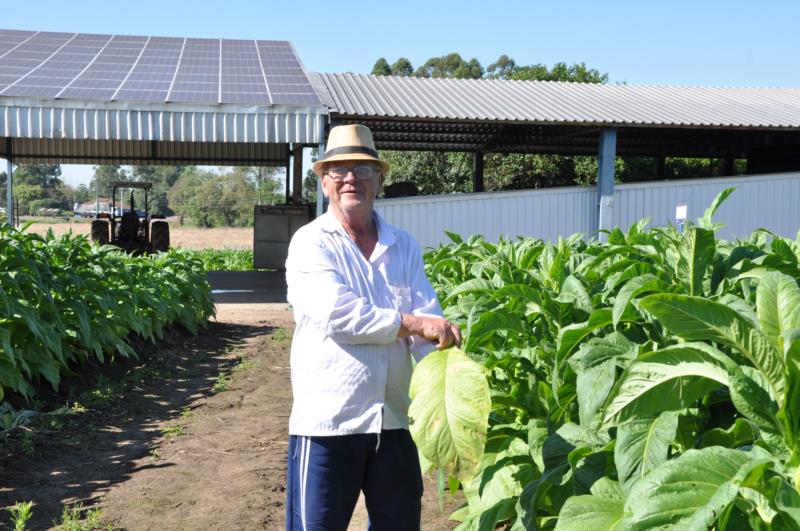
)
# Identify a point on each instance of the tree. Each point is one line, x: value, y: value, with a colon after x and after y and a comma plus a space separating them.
x: 433, y: 172
x: 402, y: 67
x: 450, y: 66
x: 103, y: 175
x: 163, y: 178
x: 44, y: 175
x: 381, y: 68
x: 210, y: 199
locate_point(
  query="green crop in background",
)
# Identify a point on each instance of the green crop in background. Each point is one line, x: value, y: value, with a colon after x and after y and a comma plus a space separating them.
x: 225, y: 259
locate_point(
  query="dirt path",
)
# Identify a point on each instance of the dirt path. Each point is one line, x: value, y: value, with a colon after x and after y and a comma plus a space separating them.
x: 185, y: 448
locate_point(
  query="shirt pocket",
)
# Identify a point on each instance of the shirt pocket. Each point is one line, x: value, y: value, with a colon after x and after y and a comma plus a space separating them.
x: 401, y: 298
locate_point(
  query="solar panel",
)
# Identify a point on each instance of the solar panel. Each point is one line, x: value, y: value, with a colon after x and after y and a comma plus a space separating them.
x: 151, y: 69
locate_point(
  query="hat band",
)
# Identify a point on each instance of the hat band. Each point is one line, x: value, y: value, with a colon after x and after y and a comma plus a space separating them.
x: 350, y: 150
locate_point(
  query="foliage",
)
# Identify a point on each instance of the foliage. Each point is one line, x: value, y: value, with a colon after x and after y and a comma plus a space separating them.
x: 649, y: 382
x: 163, y: 178
x: 211, y: 199
x: 64, y: 301
x: 20, y: 514
x: 224, y: 259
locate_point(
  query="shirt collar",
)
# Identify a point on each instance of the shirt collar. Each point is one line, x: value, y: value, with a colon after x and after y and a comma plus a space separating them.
x: 386, y: 233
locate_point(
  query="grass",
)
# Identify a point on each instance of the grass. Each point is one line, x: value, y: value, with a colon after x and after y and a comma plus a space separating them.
x: 73, y: 518
x: 20, y: 514
x: 172, y: 430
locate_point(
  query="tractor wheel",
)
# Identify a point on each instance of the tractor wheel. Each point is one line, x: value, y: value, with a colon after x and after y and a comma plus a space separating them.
x: 100, y: 231
x: 159, y: 236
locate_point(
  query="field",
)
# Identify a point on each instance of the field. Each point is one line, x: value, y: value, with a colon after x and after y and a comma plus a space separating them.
x: 190, y: 434
x: 650, y: 381
x: 180, y: 236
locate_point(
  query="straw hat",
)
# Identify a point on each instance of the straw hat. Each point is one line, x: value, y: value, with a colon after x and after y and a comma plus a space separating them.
x: 350, y: 142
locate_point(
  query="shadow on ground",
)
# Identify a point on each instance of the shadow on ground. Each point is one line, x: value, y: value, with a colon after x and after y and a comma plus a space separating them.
x: 77, y: 458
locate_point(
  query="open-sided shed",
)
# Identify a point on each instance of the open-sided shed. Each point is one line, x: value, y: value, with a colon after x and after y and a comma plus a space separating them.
x: 761, y: 125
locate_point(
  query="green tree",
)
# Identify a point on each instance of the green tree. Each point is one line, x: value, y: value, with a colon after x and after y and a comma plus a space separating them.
x: 44, y: 175
x: 450, y: 66
x: 381, y: 68
x: 25, y: 194
x: 103, y: 175
x: 433, y: 172
x: 163, y: 178
x: 210, y: 199
x: 402, y: 67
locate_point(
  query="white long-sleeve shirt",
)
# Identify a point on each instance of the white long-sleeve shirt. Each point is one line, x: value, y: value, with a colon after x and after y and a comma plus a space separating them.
x: 350, y: 371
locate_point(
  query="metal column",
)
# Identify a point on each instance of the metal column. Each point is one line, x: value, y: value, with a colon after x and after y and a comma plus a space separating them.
x: 605, y: 180
x: 477, y: 171
x: 9, y: 192
x: 297, y: 175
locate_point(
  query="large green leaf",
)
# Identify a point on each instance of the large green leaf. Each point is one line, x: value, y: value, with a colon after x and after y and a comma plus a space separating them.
x: 573, y: 290
x: 449, y: 411
x: 570, y: 336
x: 667, y: 380
x: 697, y: 251
x: 603, y: 510
x: 690, y: 492
x: 633, y: 288
x: 593, y: 385
x: 778, y: 306
x: 697, y: 319
x: 642, y: 445
x: 789, y: 413
x: 706, y: 221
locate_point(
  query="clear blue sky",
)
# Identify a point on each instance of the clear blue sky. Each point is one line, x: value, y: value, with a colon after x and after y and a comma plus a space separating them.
x: 667, y: 42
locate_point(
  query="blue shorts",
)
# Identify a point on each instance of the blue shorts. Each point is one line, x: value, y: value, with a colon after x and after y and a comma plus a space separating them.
x: 326, y: 475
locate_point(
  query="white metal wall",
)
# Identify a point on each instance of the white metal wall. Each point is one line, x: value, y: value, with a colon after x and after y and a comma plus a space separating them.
x: 760, y: 201
x: 763, y: 201
x: 541, y: 213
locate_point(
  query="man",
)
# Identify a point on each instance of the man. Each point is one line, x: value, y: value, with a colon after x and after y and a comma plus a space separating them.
x: 362, y: 306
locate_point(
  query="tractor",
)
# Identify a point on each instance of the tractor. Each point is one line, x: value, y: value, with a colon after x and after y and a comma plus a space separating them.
x: 127, y: 229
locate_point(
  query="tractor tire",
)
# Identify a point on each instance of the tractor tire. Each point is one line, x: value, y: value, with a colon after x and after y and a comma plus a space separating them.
x: 159, y: 236
x: 100, y: 231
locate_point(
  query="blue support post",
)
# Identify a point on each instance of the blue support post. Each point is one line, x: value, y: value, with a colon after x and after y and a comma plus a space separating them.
x: 10, y: 198
x: 605, y: 180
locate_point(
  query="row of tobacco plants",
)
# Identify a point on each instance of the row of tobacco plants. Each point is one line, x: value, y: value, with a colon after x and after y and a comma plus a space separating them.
x: 64, y: 301
x: 649, y: 382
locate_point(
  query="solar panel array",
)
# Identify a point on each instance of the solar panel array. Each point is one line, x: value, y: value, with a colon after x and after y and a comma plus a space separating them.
x: 151, y: 69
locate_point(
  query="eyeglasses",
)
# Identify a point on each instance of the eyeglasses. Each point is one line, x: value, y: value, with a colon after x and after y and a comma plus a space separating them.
x: 363, y: 172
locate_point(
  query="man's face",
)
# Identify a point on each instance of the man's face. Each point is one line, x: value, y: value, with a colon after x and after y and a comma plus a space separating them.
x: 351, y: 185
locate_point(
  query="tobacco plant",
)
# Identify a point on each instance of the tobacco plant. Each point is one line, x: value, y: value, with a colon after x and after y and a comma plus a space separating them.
x: 652, y: 381
x: 64, y: 300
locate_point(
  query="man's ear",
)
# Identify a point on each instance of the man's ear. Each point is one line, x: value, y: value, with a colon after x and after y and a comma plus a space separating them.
x: 380, y: 185
x: 322, y: 184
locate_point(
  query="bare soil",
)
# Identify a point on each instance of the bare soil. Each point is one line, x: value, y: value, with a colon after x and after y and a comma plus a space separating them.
x: 186, y: 448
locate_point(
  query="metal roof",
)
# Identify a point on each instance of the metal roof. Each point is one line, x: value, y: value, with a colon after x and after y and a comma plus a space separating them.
x: 547, y: 102
x: 81, y: 98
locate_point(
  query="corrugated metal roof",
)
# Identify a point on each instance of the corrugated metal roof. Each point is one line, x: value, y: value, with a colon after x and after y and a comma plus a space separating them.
x: 544, y: 102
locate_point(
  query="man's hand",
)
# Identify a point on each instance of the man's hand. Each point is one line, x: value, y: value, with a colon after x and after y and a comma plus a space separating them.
x: 441, y: 331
